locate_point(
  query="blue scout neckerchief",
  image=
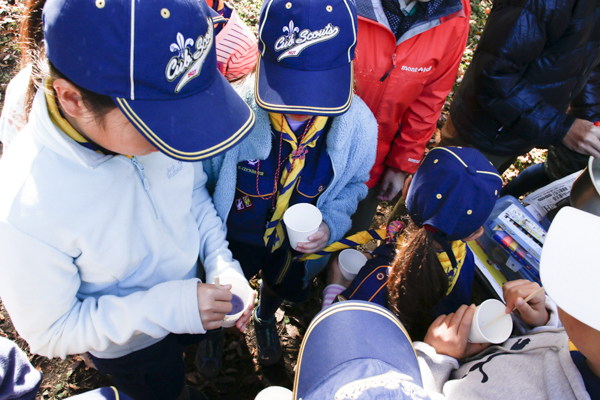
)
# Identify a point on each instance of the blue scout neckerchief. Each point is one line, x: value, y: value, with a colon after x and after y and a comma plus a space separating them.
x: 275, y: 233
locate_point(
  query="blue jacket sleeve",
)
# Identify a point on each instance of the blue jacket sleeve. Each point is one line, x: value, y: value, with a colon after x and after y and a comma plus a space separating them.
x: 587, y: 103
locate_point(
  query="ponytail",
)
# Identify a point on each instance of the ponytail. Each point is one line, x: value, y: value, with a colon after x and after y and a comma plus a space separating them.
x: 417, y: 281
x: 32, y: 49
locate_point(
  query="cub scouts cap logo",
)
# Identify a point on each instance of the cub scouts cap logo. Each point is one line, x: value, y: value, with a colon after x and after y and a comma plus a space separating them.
x: 157, y: 60
x: 306, y: 50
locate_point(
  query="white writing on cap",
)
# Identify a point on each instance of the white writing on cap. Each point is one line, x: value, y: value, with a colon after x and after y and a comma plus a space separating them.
x: 295, y: 45
x: 185, y: 62
x: 391, y: 380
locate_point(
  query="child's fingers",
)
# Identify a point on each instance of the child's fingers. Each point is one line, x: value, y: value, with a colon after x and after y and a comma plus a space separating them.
x: 316, y: 236
x: 465, y: 323
x: 222, y: 307
x: 519, y: 289
x: 223, y: 293
x: 457, y: 317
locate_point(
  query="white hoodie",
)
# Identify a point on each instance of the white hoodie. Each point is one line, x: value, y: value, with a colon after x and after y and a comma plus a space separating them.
x: 99, y: 253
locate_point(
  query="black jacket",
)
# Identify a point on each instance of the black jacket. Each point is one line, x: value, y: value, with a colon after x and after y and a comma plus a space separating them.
x: 534, y: 59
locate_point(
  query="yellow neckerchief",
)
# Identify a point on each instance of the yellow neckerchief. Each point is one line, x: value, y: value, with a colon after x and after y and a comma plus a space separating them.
x: 58, y: 119
x: 459, y: 248
x: 291, y: 172
x: 572, y: 346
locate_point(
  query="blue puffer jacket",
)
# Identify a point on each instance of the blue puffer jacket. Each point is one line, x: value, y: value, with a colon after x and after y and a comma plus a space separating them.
x: 534, y: 59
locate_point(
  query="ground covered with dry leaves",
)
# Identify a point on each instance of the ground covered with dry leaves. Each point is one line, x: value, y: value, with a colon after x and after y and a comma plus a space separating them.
x: 241, y: 377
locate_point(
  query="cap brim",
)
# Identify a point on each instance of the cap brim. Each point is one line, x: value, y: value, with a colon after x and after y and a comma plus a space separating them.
x: 352, y: 333
x: 569, y: 264
x: 193, y: 128
x: 292, y: 91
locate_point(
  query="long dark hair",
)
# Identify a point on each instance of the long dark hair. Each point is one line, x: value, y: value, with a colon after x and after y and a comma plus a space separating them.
x: 417, y: 281
x: 31, y: 46
x: 32, y: 53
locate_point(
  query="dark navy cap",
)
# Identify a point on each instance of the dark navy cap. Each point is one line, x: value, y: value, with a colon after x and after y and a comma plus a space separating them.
x: 357, y: 350
x: 306, y: 50
x: 157, y: 60
x: 454, y: 190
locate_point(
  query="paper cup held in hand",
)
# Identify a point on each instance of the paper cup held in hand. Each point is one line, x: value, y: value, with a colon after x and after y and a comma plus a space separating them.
x: 275, y: 393
x: 495, y: 333
x: 242, y: 296
x: 351, y: 261
x: 301, y: 220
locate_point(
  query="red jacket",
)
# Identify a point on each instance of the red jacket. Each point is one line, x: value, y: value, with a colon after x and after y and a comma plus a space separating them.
x: 412, y: 95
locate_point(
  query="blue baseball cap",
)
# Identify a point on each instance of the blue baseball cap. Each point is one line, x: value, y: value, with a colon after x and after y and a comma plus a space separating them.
x: 454, y: 191
x: 356, y: 349
x: 156, y: 59
x: 306, y: 48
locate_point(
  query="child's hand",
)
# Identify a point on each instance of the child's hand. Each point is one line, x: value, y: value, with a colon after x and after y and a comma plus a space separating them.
x: 449, y: 334
x: 391, y: 184
x: 317, y: 241
x: 243, y: 321
x: 533, y: 312
x: 213, y: 304
x: 335, y: 275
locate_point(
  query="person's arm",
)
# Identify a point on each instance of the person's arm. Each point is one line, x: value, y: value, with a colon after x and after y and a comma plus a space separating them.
x: 586, y: 105
x: 513, y: 38
x: 584, y: 136
x: 420, y: 119
x: 445, y: 343
x: 214, y: 252
x: 539, y: 313
x: 362, y: 138
x: 39, y: 288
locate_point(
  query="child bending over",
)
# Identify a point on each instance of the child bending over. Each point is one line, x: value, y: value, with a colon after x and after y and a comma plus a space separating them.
x: 426, y: 269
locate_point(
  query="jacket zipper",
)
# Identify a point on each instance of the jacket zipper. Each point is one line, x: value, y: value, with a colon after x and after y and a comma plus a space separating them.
x: 391, y: 69
x: 145, y: 183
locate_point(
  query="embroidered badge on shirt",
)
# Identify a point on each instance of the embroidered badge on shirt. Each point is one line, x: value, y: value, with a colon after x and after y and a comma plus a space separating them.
x: 243, y: 203
x: 293, y: 45
x: 185, y: 62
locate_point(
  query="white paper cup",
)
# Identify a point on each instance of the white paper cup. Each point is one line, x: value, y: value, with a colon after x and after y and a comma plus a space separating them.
x: 301, y: 220
x: 242, y: 296
x: 497, y: 332
x: 351, y: 261
x: 274, y: 393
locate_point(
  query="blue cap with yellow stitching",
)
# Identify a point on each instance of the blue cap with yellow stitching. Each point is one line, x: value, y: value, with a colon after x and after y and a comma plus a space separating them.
x: 156, y: 59
x: 454, y: 191
x: 357, y: 350
x: 306, y: 50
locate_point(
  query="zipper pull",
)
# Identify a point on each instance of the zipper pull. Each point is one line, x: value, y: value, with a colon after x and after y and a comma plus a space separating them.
x: 140, y: 169
x: 139, y: 166
x: 391, y: 69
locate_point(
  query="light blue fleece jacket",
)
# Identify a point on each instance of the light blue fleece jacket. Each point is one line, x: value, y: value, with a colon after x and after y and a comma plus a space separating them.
x: 99, y: 253
x: 351, y: 146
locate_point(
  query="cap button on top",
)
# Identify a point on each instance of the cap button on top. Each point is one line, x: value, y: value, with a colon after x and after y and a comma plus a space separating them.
x: 471, y: 170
